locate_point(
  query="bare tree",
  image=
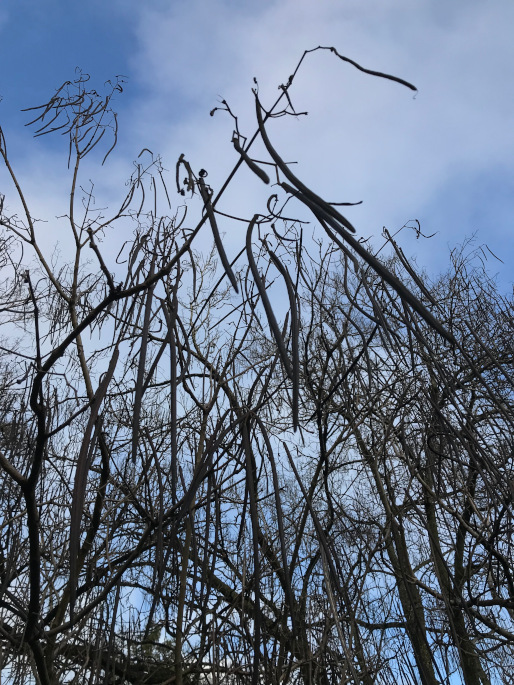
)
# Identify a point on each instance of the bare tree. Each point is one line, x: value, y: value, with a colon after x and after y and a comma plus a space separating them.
x: 201, y: 487
x: 412, y: 481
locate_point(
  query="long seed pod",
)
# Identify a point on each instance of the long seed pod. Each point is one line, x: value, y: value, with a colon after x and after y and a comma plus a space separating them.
x: 249, y: 161
x: 340, y: 223
x: 265, y: 301
x: 294, y: 333
x: 371, y: 72
x: 373, y: 262
x: 405, y: 263
x: 293, y: 179
x: 217, y: 238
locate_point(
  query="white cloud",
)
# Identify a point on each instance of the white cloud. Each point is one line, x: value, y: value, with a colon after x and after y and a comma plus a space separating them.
x: 364, y: 139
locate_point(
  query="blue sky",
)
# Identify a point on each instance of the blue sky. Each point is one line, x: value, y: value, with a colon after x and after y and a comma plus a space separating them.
x: 444, y: 157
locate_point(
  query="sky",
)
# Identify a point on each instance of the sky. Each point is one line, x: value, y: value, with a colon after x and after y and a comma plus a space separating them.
x: 443, y: 156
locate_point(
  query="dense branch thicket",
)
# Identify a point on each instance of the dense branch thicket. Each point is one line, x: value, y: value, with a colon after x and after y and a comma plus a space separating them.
x: 296, y: 468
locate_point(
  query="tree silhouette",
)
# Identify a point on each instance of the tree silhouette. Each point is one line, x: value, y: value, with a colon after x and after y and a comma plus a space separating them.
x: 295, y: 467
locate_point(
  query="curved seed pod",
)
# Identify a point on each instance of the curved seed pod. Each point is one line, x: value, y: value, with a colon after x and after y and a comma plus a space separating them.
x: 371, y: 72
x: 329, y: 209
x: 249, y: 161
x: 405, y: 262
x: 265, y: 301
x: 372, y: 261
x: 294, y: 333
x: 217, y: 238
x: 189, y: 182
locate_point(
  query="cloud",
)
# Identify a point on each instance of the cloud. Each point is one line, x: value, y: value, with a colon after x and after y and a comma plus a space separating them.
x: 364, y: 138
